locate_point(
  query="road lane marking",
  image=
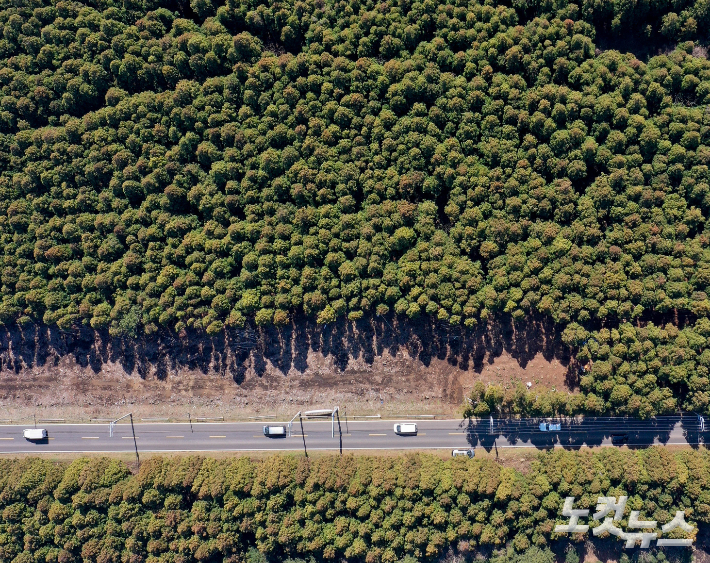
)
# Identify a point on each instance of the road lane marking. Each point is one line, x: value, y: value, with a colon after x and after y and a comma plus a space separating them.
x: 7, y: 438
x: 130, y: 437
x: 175, y: 436
x: 299, y: 435
x: 456, y: 433
x: 378, y: 434
x: 50, y: 438
x: 217, y: 436
x: 89, y: 437
x: 421, y: 434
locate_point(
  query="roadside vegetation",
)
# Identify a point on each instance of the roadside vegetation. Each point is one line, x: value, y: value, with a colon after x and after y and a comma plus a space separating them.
x: 636, y: 370
x: 168, y: 166
x: 412, y: 507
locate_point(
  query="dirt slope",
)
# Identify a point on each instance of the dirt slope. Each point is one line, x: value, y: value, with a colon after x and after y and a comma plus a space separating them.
x: 373, y: 366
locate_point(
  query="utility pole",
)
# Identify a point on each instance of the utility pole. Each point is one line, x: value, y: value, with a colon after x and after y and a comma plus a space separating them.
x: 340, y: 431
x: 303, y: 435
x: 135, y: 442
x: 133, y: 430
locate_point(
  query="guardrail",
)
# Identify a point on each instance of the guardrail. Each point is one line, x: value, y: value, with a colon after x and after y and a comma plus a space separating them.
x: 155, y: 419
x: 415, y: 416
x: 45, y: 420
x: 262, y: 417
x: 205, y: 419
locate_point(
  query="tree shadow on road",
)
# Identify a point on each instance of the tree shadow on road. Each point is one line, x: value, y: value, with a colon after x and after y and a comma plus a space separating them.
x: 578, y: 433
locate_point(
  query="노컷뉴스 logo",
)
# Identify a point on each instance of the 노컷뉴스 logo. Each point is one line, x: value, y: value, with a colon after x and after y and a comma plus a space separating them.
x: 612, y: 511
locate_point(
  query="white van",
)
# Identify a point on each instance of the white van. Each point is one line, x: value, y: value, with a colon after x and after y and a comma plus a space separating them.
x: 33, y: 434
x: 274, y: 431
x: 468, y: 453
x: 405, y: 428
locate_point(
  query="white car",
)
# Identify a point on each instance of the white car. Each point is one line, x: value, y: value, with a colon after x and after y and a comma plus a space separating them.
x: 35, y: 434
x: 550, y: 427
x: 469, y: 453
x: 274, y: 431
x: 405, y: 428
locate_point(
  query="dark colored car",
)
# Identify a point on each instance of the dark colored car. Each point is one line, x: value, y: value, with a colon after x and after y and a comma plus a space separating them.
x: 619, y: 439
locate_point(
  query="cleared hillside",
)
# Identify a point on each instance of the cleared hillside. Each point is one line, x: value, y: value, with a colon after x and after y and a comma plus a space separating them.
x: 169, y: 168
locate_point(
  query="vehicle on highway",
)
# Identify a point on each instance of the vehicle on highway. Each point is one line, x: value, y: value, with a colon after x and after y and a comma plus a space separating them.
x: 35, y: 434
x: 274, y: 431
x: 550, y: 427
x: 619, y: 439
x: 469, y: 453
x: 405, y: 428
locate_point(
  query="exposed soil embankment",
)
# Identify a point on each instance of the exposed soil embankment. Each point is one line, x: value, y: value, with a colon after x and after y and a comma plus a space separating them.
x: 387, y: 366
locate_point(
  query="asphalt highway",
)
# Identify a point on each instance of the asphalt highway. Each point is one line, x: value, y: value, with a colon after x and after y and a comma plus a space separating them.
x: 356, y: 435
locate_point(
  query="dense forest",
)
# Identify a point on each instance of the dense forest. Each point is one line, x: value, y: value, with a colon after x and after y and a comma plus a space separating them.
x: 364, y: 509
x: 170, y: 166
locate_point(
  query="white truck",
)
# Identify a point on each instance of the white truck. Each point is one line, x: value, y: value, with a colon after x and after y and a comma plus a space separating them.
x: 550, y: 427
x: 405, y: 428
x: 35, y: 434
x: 468, y: 453
x: 274, y: 431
